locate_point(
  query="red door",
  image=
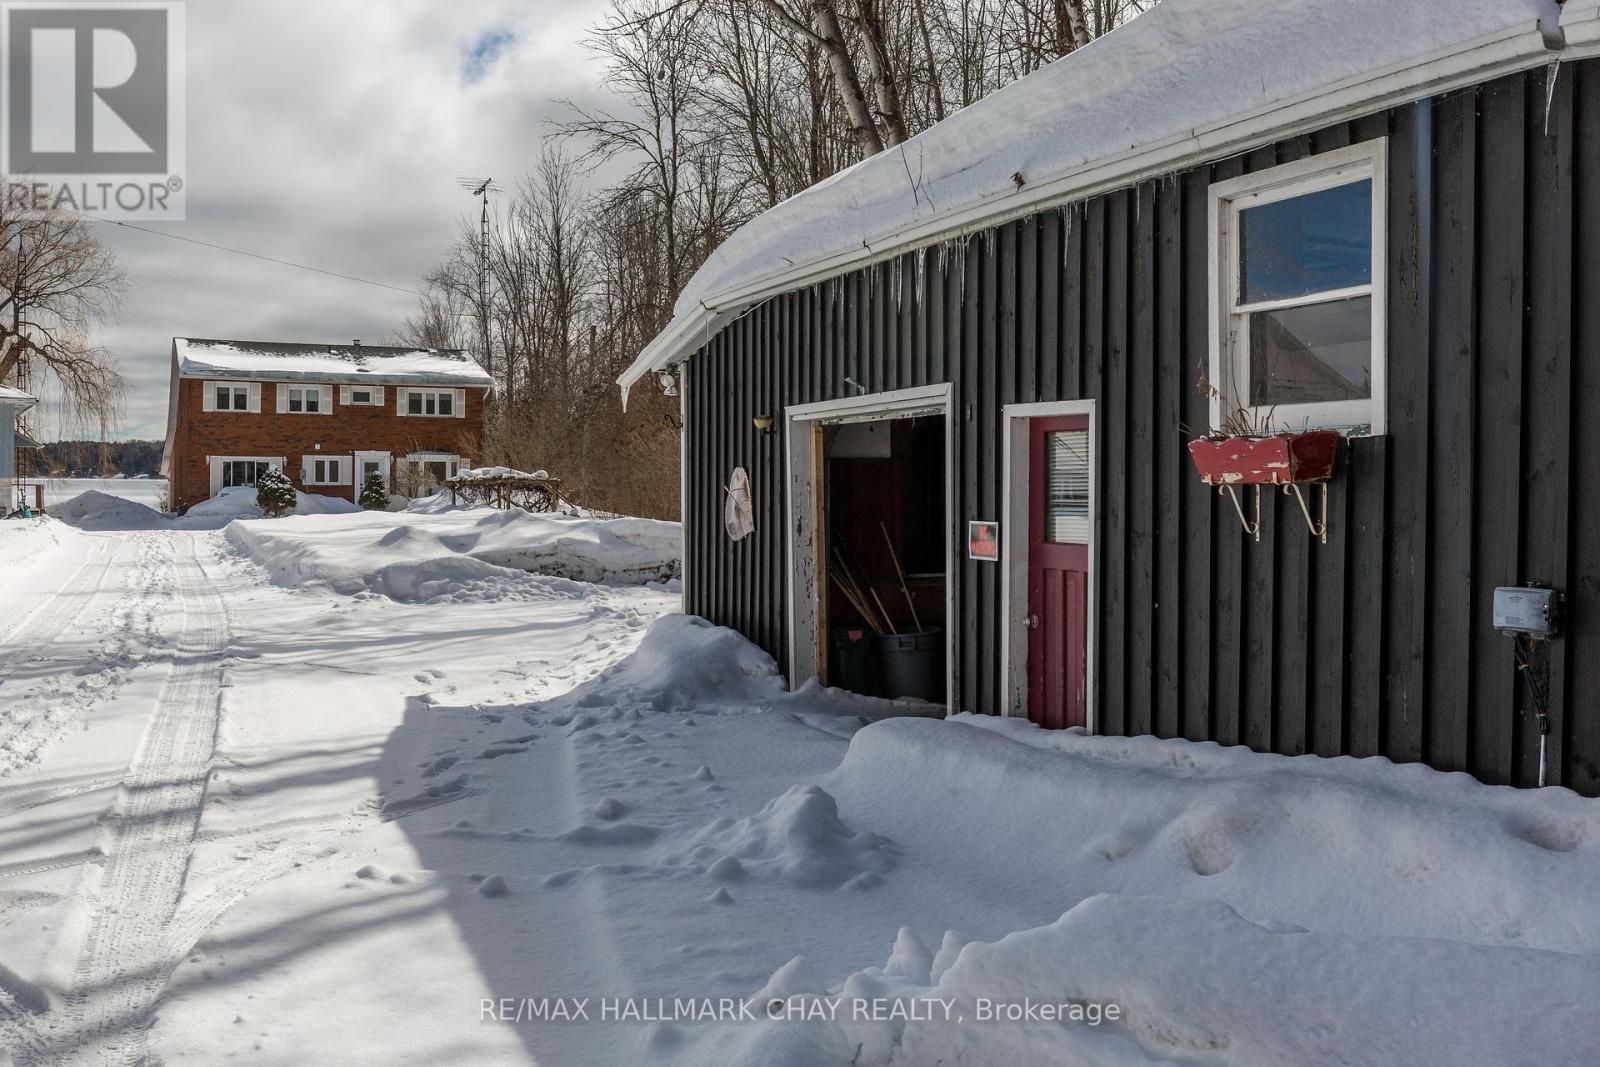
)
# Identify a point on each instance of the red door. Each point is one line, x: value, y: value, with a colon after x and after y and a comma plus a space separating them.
x: 1058, y: 571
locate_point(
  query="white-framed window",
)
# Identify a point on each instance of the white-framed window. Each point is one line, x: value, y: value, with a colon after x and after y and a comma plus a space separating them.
x: 361, y: 395
x: 232, y: 396
x: 243, y: 471
x: 305, y: 399
x: 229, y: 471
x: 325, y: 470
x: 439, y: 403
x: 1297, y: 288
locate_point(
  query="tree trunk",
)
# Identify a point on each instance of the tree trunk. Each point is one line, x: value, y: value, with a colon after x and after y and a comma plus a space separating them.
x: 885, y: 91
x: 825, y: 23
x: 1072, y: 28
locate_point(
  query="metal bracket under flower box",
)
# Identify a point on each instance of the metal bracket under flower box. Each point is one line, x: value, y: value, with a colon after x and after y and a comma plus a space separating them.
x: 1291, y: 460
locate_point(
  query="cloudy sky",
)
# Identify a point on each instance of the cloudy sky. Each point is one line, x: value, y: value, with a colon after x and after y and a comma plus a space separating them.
x: 333, y: 134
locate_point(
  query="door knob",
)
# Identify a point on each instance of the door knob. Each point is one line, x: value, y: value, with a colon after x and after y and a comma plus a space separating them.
x: 1031, y: 622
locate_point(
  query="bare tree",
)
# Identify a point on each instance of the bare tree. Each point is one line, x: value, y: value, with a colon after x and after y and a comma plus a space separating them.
x: 57, y: 281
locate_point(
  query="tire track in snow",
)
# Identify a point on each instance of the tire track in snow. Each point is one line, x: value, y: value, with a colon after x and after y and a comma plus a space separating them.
x: 127, y: 957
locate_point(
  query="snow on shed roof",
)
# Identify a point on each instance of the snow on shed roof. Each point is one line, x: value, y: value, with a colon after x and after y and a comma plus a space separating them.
x: 1580, y: 21
x: 1187, y: 81
x: 379, y: 364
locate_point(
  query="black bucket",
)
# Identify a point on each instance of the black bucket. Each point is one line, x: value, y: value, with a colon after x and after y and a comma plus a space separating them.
x: 913, y: 665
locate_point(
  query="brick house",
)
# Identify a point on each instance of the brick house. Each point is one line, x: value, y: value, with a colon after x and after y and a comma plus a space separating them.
x: 327, y: 414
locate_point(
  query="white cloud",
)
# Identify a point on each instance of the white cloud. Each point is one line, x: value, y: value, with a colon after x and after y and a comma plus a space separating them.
x: 332, y: 134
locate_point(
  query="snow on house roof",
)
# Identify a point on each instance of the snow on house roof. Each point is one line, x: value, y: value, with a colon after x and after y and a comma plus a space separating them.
x: 1187, y: 81
x: 378, y: 364
x: 16, y: 398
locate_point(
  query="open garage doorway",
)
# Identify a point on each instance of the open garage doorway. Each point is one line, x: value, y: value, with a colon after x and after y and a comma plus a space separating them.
x: 871, y: 551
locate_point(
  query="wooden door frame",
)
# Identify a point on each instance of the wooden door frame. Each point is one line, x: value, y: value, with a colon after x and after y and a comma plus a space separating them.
x: 805, y: 574
x: 1016, y: 484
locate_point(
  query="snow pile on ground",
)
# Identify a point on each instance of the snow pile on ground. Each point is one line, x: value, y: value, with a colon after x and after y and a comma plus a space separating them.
x: 797, y: 838
x: 682, y: 662
x: 1143, y: 980
x: 1234, y: 908
x: 477, y: 553
x: 25, y: 542
x: 96, y: 510
x: 239, y: 502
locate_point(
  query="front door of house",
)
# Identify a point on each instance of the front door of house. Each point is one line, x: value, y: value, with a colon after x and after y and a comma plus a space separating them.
x: 1059, y: 469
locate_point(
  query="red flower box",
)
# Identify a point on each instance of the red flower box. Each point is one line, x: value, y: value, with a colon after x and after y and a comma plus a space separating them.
x: 1283, y: 459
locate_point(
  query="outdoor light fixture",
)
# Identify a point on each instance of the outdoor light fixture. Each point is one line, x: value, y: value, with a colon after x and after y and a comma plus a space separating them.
x: 669, y: 382
x: 763, y: 423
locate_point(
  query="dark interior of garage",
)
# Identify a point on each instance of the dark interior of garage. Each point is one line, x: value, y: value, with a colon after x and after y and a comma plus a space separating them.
x: 884, y: 496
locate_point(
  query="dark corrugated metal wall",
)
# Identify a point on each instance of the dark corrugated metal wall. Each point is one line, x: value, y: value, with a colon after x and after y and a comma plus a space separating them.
x: 1377, y: 642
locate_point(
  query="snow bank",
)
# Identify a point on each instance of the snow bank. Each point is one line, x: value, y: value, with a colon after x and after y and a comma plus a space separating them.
x: 95, y: 510
x: 1237, y: 908
x: 25, y: 543
x: 477, y: 553
x: 1140, y: 980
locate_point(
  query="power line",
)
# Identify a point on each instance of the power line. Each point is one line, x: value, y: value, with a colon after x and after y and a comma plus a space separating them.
x: 254, y: 255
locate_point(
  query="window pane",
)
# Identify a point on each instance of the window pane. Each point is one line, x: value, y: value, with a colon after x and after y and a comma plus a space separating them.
x: 1066, y: 517
x: 414, y: 403
x: 360, y: 397
x: 222, y: 398
x: 241, y: 398
x: 333, y: 471
x: 1313, y: 353
x: 1307, y: 244
x: 313, y: 397
x: 445, y: 400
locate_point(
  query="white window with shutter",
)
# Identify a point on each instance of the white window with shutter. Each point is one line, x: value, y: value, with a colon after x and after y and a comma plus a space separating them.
x: 305, y: 399
x: 231, y: 396
x: 326, y: 470
x: 361, y: 396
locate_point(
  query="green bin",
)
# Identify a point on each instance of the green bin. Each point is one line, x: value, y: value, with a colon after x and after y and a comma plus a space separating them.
x: 851, y: 660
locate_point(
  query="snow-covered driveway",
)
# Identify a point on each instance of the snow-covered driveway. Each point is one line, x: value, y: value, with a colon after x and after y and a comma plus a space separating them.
x: 176, y: 732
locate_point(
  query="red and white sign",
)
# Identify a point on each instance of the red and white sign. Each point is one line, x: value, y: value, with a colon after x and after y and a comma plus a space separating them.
x: 983, y: 541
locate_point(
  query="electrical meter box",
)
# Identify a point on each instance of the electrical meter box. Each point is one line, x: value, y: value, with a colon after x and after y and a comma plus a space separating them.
x: 1526, y: 610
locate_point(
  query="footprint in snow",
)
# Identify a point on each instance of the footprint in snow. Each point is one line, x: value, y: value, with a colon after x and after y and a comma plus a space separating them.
x: 496, y: 751
x: 440, y: 765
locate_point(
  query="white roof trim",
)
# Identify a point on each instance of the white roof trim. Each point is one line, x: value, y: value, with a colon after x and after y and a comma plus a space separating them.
x: 16, y: 399
x: 1460, y: 64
